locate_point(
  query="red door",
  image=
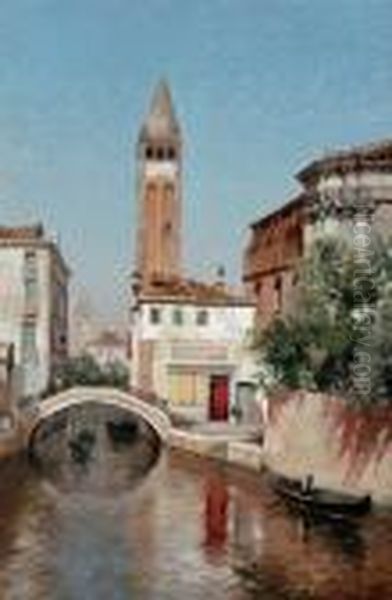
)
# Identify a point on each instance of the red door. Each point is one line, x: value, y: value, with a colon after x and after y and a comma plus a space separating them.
x: 219, y: 398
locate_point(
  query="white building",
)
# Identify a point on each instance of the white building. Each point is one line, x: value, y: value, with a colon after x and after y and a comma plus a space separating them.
x: 33, y: 304
x: 109, y: 347
x: 190, y: 347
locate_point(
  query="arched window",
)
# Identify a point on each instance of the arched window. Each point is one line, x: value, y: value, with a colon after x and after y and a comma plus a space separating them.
x: 171, y: 153
x: 160, y: 154
x: 149, y: 152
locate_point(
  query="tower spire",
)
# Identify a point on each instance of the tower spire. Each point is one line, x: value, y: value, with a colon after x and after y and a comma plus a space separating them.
x: 161, y: 121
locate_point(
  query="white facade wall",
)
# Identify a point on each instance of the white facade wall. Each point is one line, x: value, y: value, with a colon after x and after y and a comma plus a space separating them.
x: 11, y: 297
x: 14, y: 313
x: 225, y: 323
x: 379, y: 184
x: 218, y: 347
x: 372, y: 186
x: 105, y: 355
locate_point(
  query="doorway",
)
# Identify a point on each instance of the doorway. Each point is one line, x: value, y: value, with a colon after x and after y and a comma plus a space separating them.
x: 219, y: 398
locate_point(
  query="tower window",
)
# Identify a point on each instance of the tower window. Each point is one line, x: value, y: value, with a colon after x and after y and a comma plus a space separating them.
x: 149, y: 152
x: 160, y: 154
x: 171, y: 153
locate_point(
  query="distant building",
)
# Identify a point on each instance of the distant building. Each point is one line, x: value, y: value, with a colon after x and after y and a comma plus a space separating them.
x: 188, y: 338
x: 335, y: 189
x: 33, y: 304
x: 109, y: 347
x: 84, y: 324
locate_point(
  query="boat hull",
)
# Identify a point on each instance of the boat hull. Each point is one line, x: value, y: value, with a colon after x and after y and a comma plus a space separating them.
x: 320, y: 501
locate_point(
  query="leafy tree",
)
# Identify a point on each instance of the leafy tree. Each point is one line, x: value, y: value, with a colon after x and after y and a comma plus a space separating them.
x: 85, y: 371
x: 341, y: 316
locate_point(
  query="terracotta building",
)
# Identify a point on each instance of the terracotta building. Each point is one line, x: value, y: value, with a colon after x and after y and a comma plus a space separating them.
x: 334, y: 189
x: 188, y: 337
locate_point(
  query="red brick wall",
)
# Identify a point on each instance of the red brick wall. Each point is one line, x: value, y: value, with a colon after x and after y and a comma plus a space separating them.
x: 275, y: 247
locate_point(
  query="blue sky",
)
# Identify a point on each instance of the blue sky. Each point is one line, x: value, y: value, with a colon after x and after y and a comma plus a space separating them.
x: 261, y: 87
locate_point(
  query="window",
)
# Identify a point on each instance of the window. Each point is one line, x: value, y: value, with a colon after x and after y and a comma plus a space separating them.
x: 278, y: 294
x: 178, y: 316
x: 202, y: 317
x: 160, y: 154
x: 28, y: 340
x: 30, y: 264
x: 149, y: 152
x: 30, y: 279
x: 259, y: 289
x: 171, y: 153
x: 155, y: 316
x: 295, y: 279
x: 31, y: 292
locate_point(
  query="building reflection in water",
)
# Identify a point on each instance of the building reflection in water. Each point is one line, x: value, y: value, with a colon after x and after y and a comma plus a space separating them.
x: 216, y: 513
x: 191, y: 529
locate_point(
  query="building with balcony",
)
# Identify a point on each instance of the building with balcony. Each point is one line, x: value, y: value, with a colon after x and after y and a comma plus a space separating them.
x: 33, y: 305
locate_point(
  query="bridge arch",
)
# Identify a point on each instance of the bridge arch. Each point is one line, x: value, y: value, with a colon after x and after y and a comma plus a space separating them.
x: 152, y: 414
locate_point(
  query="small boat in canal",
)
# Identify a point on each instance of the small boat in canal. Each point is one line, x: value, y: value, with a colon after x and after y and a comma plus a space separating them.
x: 81, y: 446
x: 124, y: 431
x: 319, y: 501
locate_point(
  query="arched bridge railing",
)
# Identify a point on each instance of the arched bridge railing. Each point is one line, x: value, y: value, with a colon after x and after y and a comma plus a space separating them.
x: 147, y: 406
x: 150, y: 397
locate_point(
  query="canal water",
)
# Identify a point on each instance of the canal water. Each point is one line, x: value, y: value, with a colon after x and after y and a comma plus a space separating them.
x: 135, y: 523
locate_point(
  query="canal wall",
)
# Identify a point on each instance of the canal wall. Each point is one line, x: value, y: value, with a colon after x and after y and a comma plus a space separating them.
x: 246, y: 452
x: 343, y: 448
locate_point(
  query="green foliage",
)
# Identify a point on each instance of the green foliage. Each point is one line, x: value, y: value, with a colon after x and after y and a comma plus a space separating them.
x: 340, y: 317
x: 85, y: 371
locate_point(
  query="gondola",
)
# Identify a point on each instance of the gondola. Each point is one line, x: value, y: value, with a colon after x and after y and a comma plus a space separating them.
x: 124, y: 431
x: 319, y: 501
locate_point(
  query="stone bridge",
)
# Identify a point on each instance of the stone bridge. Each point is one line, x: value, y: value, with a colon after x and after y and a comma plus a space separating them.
x: 150, y: 410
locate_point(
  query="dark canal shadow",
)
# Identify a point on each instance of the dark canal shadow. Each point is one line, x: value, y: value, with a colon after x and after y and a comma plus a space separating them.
x: 95, y: 449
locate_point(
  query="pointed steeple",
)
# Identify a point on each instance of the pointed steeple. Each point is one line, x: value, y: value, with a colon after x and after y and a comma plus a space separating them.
x: 161, y: 121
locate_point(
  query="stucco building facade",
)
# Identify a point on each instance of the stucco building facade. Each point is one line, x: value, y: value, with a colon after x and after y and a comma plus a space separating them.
x: 33, y: 305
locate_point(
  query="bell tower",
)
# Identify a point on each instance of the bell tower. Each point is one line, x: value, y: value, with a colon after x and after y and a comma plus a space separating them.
x: 159, y: 150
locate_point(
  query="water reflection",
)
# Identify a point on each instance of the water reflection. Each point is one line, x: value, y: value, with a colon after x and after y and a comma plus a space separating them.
x: 215, y: 514
x: 189, y: 529
x: 91, y: 447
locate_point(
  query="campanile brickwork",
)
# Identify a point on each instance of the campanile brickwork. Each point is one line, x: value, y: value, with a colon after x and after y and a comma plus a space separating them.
x: 159, y: 192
